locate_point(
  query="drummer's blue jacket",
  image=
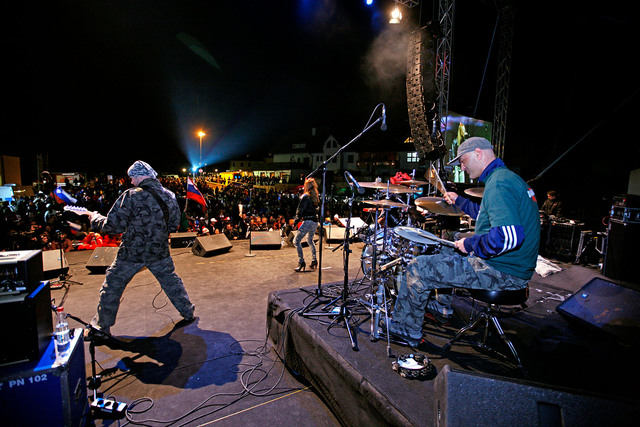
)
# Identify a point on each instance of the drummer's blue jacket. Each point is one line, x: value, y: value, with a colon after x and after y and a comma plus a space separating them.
x: 507, y: 231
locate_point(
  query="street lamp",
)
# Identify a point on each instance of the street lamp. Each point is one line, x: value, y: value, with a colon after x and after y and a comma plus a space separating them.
x: 201, y: 134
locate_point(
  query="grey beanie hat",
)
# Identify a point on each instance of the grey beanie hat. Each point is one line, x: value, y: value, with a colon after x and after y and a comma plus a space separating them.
x: 140, y: 168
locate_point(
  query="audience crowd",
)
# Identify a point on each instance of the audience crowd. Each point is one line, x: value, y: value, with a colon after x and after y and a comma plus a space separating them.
x: 235, y: 208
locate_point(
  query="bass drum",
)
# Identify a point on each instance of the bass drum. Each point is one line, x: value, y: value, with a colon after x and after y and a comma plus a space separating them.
x: 366, y: 258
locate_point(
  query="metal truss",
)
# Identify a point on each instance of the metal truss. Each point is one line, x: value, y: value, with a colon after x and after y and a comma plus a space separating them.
x: 504, y: 74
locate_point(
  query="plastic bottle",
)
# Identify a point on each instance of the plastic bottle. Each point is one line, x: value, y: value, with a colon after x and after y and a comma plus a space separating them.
x: 61, y: 334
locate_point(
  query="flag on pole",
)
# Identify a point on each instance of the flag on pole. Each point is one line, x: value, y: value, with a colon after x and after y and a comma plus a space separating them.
x: 63, y: 197
x: 194, y: 194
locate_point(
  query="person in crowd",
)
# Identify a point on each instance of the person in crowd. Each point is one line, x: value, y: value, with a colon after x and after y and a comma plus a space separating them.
x: 501, y: 255
x: 145, y: 215
x: 552, y: 207
x: 307, y: 212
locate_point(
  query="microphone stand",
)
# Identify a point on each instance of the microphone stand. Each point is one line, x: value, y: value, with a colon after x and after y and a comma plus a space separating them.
x: 250, y: 205
x: 323, y: 167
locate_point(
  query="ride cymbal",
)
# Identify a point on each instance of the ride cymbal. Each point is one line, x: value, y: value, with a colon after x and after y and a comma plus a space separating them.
x: 437, y: 205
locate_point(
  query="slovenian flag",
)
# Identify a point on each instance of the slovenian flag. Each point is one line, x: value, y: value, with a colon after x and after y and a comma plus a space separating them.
x: 63, y: 197
x: 194, y: 194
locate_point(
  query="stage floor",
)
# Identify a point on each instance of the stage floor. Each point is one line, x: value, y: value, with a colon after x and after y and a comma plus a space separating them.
x: 208, y: 371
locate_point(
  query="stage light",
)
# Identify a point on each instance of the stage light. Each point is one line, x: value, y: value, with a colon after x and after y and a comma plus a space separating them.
x: 396, y: 16
x: 369, y: 2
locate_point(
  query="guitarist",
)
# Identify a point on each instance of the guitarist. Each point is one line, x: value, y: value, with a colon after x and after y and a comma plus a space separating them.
x: 145, y: 215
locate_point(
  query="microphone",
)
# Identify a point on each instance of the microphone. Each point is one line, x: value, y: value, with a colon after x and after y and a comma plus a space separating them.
x: 348, y: 176
x: 383, y: 127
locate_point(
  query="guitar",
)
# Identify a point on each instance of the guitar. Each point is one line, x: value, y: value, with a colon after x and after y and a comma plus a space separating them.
x: 78, y: 210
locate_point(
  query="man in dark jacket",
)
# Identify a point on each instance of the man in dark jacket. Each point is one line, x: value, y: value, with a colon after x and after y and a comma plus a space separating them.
x: 145, y: 215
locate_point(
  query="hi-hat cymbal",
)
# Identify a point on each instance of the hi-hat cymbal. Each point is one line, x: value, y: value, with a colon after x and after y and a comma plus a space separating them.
x: 386, y: 203
x: 393, y: 188
x: 413, y: 182
x: 437, y: 205
x: 475, y: 191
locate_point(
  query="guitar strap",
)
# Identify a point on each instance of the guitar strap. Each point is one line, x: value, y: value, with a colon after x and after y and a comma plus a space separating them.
x: 163, y: 205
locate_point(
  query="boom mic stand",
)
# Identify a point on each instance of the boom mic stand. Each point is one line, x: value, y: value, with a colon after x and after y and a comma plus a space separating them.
x: 63, y: 280
x: 100, y: 408
x: 323, y: 167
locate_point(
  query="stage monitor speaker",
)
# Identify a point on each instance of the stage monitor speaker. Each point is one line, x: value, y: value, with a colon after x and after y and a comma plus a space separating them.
x: 486, y: 400
x: 211, y: 245
x: 183, y: 240
x: 334, y: 233
x: 606, y: 306
x: 54, y: 263
x: 101, y: 259
x: 265, y: 240
x: 622, y: 252
x: 31, y: 325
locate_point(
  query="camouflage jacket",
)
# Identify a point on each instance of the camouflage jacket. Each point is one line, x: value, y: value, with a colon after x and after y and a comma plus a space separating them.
x: 138, y: 216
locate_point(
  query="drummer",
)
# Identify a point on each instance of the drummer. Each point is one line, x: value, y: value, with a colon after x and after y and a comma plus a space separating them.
x: 501, y: 255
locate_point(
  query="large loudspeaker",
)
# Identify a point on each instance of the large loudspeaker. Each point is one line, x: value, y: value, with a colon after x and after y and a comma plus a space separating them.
x: 211, y: 245
x: 623, y: 251
x: 265, y: 240
x: 183, y: 240
x: 485, y: 400
x: 607, y: 306
x: 422, y: 94
x: 101, y: 259
x: 54, y: 263
x: 31, y: 325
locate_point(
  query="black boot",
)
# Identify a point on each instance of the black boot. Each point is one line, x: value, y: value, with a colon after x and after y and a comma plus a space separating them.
x: 301, y: 266
x: 313, y: 265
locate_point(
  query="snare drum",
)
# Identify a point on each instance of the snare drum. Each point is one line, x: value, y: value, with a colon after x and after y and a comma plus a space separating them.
x: 409, y: 242
x: 367, y: 253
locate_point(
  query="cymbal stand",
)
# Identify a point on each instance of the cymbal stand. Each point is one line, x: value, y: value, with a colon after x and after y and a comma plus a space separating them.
x: 345, y: 313
x: 318, y: 294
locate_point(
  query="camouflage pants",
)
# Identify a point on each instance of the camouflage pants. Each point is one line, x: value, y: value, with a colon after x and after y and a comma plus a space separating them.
x: 120, y: 273
x: 445, y: 270
x: 308, y: 229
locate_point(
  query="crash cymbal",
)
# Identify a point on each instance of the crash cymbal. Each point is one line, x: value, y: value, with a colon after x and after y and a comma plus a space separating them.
x: 374, y: 184
x: 413, y: 182
x: 475, y: 191
x: 386, y: 203
x: 437, y: 205
x: 393, y: 188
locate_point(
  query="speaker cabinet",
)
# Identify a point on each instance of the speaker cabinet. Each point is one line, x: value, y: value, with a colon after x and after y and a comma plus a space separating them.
x: 206, y: 246
x: 607, y: 306
x: 621, y: 256
x: 334, y: 234
x: 31, y: 327
x: 101, y: 259
x: 265, y: 240
x: 464, y: 398
x: 183, y: 240
x: 54, y: 263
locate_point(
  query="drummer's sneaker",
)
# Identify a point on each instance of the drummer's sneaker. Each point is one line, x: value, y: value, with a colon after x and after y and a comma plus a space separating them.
x: 397, y: 331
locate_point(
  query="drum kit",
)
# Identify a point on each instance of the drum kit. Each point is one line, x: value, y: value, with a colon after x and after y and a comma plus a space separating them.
x: 388, y: 249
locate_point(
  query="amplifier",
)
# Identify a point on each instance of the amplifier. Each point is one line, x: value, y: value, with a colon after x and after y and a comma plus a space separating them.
x: 20, y: 271
x: 626, y: 201
x: 625, y: 215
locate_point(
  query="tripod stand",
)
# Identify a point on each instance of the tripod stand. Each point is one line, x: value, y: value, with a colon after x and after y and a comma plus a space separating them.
x: 100, y: 408
x: 63, y: 280
x: 318, y: 294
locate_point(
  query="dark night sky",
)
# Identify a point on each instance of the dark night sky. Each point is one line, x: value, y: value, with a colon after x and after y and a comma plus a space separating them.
x: 99, y: 84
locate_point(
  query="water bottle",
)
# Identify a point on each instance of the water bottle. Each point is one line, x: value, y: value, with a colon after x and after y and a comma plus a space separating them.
x: 61, y: 334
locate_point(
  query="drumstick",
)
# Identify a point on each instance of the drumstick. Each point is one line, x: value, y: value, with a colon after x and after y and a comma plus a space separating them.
x: 434, y: 179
